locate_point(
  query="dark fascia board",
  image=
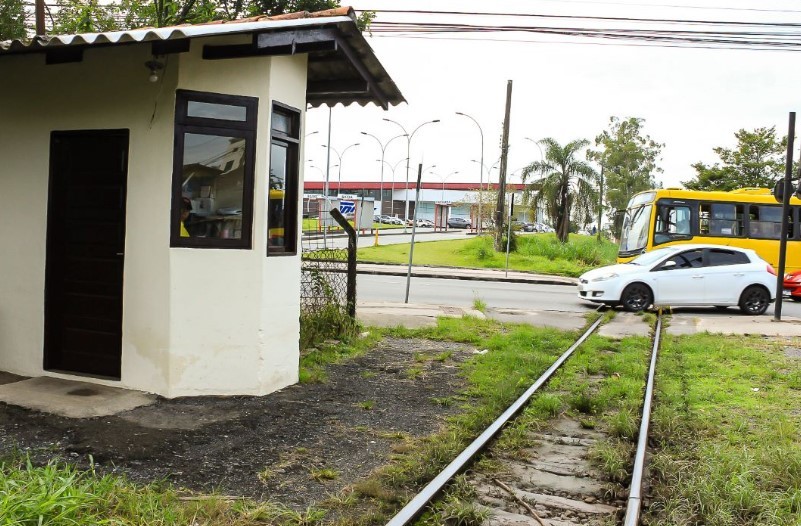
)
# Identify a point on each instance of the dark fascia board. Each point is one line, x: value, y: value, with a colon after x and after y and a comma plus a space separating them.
x: 276, y: 43
x: 299, y: 41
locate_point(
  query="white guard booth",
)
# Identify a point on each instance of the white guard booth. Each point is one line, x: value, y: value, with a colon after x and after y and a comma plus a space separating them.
x: 151, y: 184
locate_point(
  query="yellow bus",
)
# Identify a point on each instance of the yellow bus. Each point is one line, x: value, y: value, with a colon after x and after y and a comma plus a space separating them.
x: 747, y: 218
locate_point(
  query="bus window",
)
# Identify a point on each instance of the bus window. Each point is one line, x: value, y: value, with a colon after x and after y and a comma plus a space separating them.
x: 672, y: 222
x: 636, y: 224
x: 765, y: 221
x: 721, y: 219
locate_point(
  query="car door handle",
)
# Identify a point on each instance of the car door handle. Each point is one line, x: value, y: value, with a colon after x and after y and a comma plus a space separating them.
x: 697, y: 277
x: 739, y: 274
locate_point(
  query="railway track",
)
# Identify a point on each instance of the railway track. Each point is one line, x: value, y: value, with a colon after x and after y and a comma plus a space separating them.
x: 564, y: 441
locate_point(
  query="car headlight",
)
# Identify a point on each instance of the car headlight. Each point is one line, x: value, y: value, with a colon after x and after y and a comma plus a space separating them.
x: 605, y: 277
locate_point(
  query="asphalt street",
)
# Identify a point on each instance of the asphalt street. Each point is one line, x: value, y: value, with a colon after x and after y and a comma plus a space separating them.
x: 535, y: 297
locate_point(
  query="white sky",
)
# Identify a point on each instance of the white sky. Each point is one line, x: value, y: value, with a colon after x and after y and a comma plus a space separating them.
x: 691, y: 99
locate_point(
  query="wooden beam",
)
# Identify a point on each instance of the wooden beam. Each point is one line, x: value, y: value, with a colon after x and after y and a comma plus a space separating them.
x: 362, y: 69
x: 329, y: 87
x: 293, y: 38
x: 166, y: 47
x: 64, y: 55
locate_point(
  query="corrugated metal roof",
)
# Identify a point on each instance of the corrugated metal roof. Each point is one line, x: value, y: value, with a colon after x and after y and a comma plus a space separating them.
x: 324, y: 66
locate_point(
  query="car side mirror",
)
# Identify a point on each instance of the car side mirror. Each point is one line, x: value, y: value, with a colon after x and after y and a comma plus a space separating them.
x: 667, y: 265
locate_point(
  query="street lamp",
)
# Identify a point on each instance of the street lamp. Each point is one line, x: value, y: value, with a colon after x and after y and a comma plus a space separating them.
x: 339, y: 157
x: 392, y: 199
x: 480, y: 170
x: 409, y: 137
x: 443, y: 179
x: 383, y: 150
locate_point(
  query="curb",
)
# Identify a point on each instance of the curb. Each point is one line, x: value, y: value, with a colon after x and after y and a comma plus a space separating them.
x: 417, y: 274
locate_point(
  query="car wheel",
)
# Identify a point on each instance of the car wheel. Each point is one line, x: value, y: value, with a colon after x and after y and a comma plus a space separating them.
x: 754, y: 300
x: 636, y: 297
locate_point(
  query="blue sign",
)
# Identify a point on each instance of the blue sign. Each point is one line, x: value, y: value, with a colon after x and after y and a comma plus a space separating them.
x: 347, y: 207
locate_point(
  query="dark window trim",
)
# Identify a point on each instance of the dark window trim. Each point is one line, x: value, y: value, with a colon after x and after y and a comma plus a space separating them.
x: 183, y: 125
x: 184, y: 97
x: 292, y: 183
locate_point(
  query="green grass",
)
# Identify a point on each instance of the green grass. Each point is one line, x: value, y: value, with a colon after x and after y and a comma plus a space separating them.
x: 539, y: 253
x: 726, y: 429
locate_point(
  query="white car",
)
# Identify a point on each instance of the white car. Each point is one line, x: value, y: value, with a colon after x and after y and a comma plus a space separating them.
x: 713, y: 275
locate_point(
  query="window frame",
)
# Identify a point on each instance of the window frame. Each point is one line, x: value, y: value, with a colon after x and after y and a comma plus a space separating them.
x: 292, y: 183
x: 223, y: 128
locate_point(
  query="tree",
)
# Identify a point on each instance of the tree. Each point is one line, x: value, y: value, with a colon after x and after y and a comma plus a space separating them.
x: 12, y: 19
x: 78, y: 16
x: 629, y: 162
x: 565, y: 187
x: 756, y: 162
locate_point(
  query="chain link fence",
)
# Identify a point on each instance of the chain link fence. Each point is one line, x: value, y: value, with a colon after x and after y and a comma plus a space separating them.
x: 328, y: 276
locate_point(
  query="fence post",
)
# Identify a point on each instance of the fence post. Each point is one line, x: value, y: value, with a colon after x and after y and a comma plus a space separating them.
x: 351, y: 290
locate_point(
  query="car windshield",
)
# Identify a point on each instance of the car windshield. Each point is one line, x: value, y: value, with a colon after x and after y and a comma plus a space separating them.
x: 634, y: 235
x: 649, y: 258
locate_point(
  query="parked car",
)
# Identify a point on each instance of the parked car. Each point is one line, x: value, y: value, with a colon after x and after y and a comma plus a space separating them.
x: 696, y: 275
x: 458, y: 222
x: 528, y: 227
x: 394, y: 221
x: 425, y: 223
x: 792, y: 285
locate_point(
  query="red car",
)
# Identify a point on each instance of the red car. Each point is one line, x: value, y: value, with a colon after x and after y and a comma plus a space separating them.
x: 792, y: 285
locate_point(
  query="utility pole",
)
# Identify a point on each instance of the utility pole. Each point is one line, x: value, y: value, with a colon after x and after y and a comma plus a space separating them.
x: 600, y: 201
x: 499, y: 208
x: 40, y: 18
x: 788, y: 186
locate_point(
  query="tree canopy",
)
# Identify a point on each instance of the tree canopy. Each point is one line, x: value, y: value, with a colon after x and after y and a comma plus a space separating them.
x: 85, y: 16
x: 561, y: 183
x: 629, y: 162
x: 12, y: 19
x: 756, y: 162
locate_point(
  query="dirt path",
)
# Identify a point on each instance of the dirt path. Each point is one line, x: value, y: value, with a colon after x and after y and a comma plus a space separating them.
x: 296, y: 446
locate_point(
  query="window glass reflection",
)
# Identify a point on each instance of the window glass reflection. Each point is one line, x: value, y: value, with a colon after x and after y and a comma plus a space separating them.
x: 209, y: 110
x: 212, y: 186
x: 276, y: 220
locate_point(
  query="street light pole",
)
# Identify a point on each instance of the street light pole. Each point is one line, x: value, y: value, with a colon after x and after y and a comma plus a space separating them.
x: 409, y: 137
x: 481, y: 168
x: 383, y: 150
x: 392, y: 199
x: 339, y: 158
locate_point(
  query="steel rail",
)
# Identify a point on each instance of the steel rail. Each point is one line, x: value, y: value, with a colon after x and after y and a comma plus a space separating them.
x: 635, y: 490
x: 416, y: 505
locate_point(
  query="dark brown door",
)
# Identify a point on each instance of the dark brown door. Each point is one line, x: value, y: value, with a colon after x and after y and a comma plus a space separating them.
x: 85, y: 252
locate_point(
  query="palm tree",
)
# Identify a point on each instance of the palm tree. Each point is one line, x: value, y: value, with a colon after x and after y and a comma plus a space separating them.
x: 561, y: 183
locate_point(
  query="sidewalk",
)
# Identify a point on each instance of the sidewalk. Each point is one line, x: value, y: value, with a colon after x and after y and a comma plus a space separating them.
x: 420, y: 271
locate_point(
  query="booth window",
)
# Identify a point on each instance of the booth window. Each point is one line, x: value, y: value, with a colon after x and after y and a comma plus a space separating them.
x: 282, y: 198
x: 213, y: 170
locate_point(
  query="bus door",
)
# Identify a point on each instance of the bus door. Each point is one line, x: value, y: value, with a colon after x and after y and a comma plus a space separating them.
x: 673, y: 222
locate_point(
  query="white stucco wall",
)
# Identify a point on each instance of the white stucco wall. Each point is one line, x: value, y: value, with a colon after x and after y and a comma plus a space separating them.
x: 195, y: 321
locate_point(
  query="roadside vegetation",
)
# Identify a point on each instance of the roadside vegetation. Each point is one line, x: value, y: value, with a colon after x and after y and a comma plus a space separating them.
x: 726, y: 435
x: 727, y: 432
x: 537, y: 253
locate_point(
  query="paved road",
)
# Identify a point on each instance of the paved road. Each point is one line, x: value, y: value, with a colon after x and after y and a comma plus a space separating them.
x: 396, y: 236
x: 461, y: 293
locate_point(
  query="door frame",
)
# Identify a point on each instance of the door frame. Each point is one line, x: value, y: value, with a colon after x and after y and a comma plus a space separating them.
x: 48, y: 351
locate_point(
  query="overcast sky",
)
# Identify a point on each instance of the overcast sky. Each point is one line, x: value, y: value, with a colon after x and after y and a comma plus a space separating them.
x: 563, y: 87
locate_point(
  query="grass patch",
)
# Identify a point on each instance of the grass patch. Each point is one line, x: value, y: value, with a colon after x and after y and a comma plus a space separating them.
x: 727, y: 428
x: 538, y: 253
x: 314, y: 360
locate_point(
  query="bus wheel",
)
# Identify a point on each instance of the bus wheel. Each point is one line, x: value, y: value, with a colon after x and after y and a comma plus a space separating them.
x: 754, y: 300
x: 636, y: 297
